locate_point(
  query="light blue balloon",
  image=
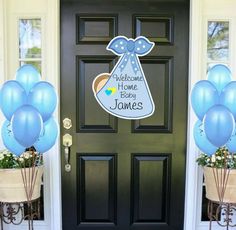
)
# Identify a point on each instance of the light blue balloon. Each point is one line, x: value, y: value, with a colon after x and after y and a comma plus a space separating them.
x: 9, y: 141
x: 48, y: 139
x: 44, y: 98
x: 228, y: 97
x: 218, y: 125
x: 201, y: 140
x: 204, y: 95
x: 231, y: 144
x: 220, y: 76
x: 12, y: 97
x: 26, y: 125
x: 27, y: 76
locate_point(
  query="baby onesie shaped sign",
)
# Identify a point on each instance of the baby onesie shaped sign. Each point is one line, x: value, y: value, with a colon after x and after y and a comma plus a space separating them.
x: 124, y: 92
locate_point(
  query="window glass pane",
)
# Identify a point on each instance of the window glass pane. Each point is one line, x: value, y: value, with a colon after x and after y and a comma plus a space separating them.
x: 218, y: 41
x: 210, y: 65
x: 36, y: 64
x: 30, y: 52
x: 30, y: 38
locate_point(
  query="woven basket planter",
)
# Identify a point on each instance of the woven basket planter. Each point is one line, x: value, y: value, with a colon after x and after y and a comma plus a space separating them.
x: 13, y: 188
x: 210, y: 175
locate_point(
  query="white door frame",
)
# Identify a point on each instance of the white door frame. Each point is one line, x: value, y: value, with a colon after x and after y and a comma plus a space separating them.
x: 195, y: 54
x: 48, y: 11
x: 52, y: 72
x: 200, y: 12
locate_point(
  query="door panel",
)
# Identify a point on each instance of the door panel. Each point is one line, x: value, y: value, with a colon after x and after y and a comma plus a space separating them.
x: 125, y: 174
x: 92, y: 118
x: 150, y: 188
x: 97, y: 188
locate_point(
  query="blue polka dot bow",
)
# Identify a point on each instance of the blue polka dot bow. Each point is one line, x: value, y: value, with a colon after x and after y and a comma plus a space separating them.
x: 130, y: 49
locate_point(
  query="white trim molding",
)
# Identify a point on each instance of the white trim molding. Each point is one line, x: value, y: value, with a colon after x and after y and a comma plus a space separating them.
x: 53, y: 75
x: 201, y: 11
x: 191, y: 201
x: 48, y: 10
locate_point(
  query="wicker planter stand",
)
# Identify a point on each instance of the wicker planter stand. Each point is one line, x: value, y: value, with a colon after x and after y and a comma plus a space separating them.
x: 16, y: 213
x: 19, y: 187
x: 221, y: 193
x: 223, y: 210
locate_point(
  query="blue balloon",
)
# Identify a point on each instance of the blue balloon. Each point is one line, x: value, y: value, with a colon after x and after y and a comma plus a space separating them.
x: 9, y: 141
x: 220, y: 76
x: 201, y: 140
x: 218, y: 125
x: 27, y: 76
x: 48, y: 139
x: 228, y: 97
x: 12, y: 97
x: 204, y: 95
x: 44, y: 98
x: 26, y: 125
x: 231, y: 144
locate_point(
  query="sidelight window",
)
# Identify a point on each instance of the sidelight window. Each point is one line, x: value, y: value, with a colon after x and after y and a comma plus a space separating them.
x: 30, y: 52
x: 218, y: 52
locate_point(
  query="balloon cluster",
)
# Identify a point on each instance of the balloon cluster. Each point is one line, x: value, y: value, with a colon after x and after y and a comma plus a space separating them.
x: 28, y: 104
x: 214, y: 103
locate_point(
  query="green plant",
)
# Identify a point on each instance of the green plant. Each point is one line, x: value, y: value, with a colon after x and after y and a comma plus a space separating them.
x: 27, y: 159
x: 221, y: 159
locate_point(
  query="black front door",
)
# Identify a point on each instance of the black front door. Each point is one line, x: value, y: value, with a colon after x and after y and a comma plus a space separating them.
x: 124, y: 174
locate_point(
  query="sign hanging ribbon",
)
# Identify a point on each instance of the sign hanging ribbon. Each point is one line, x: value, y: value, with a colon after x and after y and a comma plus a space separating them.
x: 130, y: 49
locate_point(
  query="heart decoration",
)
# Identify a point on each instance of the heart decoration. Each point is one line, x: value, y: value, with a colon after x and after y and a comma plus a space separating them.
x: 110, y: 91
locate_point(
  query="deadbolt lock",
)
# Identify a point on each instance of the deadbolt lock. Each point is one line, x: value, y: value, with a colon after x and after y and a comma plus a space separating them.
x: 67, y: 123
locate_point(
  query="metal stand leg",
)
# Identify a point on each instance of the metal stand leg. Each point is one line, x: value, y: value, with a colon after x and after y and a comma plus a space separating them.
x: 1, y: 215
x: 223, y: 210
x: 30, y: 216
x: 210, y: 213
x: 9, y: 211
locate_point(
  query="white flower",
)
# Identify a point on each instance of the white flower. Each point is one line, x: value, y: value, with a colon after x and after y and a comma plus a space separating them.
x: 218, y: 158
x: 26, y: 155
x: 213, y: 158
x: 1, y: 158
x: 8, y: 155
x: 1, y: 155
x: 5, y: 152
x: 21, y: 159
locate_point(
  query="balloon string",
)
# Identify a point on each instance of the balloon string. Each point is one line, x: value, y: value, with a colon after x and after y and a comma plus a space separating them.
x: 29, y: 179
x: 221, y: 177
